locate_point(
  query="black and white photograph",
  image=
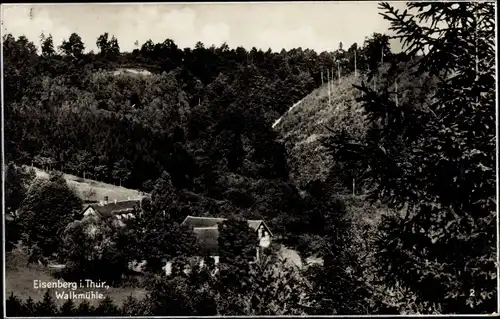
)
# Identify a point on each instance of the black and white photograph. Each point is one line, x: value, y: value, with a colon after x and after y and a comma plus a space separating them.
x: 314, y: 158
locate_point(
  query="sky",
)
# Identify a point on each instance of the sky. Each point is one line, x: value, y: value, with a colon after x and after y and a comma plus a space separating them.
x: 315, y: 25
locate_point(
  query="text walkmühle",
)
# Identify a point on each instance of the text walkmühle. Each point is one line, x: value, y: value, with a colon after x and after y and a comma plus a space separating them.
x: 84, y: 295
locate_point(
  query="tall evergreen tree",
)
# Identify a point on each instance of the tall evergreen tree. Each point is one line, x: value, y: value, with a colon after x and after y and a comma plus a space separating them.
x: 434, y: 161
x: 29, y: 307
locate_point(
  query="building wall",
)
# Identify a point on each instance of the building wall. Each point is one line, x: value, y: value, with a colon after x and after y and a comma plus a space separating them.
x: 262, y: 232
x: 89, y: 212
x: 168, y: 264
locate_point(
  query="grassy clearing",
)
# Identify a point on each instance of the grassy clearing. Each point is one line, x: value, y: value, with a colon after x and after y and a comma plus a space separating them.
x: 19, y: 280
x: 81, y: 186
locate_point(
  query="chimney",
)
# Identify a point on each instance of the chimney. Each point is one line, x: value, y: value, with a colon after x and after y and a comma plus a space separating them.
x: 115, y: 201
x: 105, y: 200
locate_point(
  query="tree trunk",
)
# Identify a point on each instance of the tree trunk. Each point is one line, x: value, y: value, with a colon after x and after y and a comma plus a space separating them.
x: 329, y: 94
x: 355, y: 66
x: 338, y: 66
x: 353, y: 187
x: 397, y: 102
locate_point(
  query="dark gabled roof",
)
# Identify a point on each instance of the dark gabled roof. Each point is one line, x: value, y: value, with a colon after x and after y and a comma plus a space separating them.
x: 196, y: 222
x: 206, y: 230
x: 255, y: 224
x: 208, y: 240
x: 113, y: 208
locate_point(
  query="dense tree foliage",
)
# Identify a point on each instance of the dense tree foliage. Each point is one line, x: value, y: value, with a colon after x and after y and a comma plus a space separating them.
x: 203, y: 117
x: 339, y: 284
x: 48, y: 207
x: 237, y: 249
x: 93, y: 249
x: 17, y: 182
x: 275, y: 288
x: 116, y: 126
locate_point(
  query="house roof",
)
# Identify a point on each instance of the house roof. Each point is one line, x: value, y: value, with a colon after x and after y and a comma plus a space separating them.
x: 196, y: 222
x: 113, y: 208
x: 207, y: 232
x: 193, y: 221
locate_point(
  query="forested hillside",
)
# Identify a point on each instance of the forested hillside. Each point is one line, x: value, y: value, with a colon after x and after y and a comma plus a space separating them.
x: 204, y: 115
x: 116, y: 126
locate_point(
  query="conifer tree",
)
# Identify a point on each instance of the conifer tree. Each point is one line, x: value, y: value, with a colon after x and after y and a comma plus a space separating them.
x: 14, y: 306
x: 29, y: 307
x: 46, y: 307
x: 85, y: 309
x: 433, y: 160
x: 68, y: 308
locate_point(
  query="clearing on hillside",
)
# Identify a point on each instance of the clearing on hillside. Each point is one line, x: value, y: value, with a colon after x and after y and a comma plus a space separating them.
x: 91, y: 190
x: 304, y: 125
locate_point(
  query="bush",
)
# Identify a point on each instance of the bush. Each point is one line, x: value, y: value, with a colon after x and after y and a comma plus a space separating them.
x: 45, y: 212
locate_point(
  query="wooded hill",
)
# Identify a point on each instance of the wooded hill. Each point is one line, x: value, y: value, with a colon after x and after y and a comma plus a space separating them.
x: 416, y: 136
x: 204, y: 116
